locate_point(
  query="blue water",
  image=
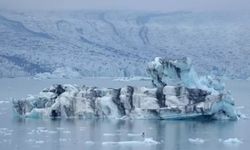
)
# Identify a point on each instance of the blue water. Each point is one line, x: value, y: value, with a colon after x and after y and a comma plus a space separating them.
x: 41, y: 134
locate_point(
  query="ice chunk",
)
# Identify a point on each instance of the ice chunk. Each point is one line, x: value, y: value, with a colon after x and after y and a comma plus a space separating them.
x: 136, y: 78
x: 150, y: 141
x: 196, y: 140
x: 111, y: 134
x: 63, y: 72
x: 89, y: 142
x: 5, y: 131
x: 4, y: 102
x: 63, y: 140
x: 135, y: 134
x: 39, y: 142
x: 66, y: 132
x: 146, y: 141
x: 231, y: 141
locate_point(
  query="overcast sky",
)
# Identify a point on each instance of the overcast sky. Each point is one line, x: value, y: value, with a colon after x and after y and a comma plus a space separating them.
x: 162, y: 5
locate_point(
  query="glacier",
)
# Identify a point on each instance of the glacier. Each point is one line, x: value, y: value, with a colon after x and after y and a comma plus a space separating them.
x: 36, y: 42
x: 177, y: 92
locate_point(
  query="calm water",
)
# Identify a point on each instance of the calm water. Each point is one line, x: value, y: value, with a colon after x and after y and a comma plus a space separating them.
x: 115, y: 134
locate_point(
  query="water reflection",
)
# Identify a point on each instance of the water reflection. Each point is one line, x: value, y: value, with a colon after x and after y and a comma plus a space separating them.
x: 64, y: 134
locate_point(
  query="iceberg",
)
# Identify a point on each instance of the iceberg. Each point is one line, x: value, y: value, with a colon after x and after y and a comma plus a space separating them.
x: 177, y: 93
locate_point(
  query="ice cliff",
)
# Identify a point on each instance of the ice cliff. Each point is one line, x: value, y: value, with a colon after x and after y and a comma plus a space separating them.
x: 177, y: 93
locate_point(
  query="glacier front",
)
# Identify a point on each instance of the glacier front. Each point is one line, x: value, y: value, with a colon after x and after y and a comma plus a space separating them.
x: 177, y: 93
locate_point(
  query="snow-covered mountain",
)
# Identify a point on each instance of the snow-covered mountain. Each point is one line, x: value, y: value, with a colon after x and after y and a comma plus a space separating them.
x: 119, y: 43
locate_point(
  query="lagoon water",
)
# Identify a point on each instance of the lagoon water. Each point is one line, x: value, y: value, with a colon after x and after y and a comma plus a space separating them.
x: 65, y: 134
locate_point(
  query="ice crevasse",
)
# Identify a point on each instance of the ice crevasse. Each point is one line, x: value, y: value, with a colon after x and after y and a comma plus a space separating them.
x: 177, y: 92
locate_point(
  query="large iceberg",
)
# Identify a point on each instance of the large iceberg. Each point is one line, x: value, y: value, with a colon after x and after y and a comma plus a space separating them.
x: 177, y: 93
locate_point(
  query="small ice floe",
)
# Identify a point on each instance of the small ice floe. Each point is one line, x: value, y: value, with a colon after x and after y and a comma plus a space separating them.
x: 242, y: 116
x: 60, y: 128
x: 231, y: 141
x: 111, y: 134
x: 196, y: 140
x: 150, y: 141
x: 89, y: 142
x: 63, y: 140
x: 52, y: 132
x: 4, y: 102
x: 66, y: 132
x: 5, y: 131
x: 240, y: 107
x: 41, y: 130
x: 135, y: 134
x: 35, y: 141
x: 39, y: 142
x: 7, y: 141
x: 30, y: 140
x: 146, y: 141
x: 136, y: 78
x: 82, y: 128
x: 124, y: 118
x: 32, y: 132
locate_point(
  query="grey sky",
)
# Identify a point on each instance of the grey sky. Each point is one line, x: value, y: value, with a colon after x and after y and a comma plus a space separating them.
x: 162, y: 5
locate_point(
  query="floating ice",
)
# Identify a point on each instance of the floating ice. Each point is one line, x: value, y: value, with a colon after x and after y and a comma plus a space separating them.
x: 178, y: 93
x: 82, y: 128
x: 66, y: 132
x: 137, y: 78
x: 90, y: 142
x: 30, y: 140
x: 64, y: 72
x: 60, y: 128
x: 9, y: 141
x: 64, y: 139
x: 196, y: 140
x: 111, y: 134
x: 4, y: 102
x: 39, y: 142
x: 150, y: 141
x: 134, y: 134
x: 35, y: 141
x: 146, y: 141
x: 41, y: 130
x: 5, y: 131
x: 231, y: 141
x: 52, y: 132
